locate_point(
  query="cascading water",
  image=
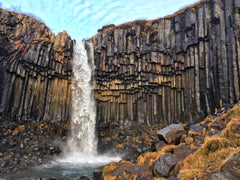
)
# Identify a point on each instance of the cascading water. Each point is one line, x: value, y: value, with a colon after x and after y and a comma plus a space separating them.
x: 80, y: 155
x: 82, y: 141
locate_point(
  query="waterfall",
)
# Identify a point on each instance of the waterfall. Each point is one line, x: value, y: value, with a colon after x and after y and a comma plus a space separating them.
x: 81, y: 143
x: 82, y: 139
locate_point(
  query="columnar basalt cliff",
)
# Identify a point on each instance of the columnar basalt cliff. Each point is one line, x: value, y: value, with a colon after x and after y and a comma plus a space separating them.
x: 35, y: 90
x: 177, y: 68
x: 35, y: 67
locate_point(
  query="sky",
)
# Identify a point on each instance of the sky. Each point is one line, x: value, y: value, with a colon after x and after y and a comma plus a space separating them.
x: 82, y: 18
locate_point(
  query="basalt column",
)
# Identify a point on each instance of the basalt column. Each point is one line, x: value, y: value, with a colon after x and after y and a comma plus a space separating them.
x: 177, y: 68
x: 35, y: 68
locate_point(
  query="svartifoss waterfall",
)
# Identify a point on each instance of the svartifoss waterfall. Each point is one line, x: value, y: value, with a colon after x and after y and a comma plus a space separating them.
x: 82, y: 141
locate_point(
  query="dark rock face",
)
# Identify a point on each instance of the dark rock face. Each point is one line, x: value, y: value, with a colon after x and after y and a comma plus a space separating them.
x: 35, y: 90
x: 35, y: 68
x: 177, y: 68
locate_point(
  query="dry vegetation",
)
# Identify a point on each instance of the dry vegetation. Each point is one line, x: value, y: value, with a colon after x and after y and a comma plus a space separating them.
x: 206, y: 160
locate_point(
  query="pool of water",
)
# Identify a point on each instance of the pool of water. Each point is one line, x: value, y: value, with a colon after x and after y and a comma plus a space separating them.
x: 63, y: 170
x: 67, y: 167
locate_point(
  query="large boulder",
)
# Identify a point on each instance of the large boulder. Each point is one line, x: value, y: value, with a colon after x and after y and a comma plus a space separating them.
x: 164, y: 165
x: 171, y: 134
x: 231, y: 168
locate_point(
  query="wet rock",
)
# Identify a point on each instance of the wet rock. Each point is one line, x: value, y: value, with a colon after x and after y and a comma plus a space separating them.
x: 171, y: 134
x: 97, y: 174
x: 52, y: 178
x: 164, y: 165
x: 83, y: 178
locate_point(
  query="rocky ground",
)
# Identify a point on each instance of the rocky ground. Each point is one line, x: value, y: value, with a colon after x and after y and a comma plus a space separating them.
x: 28, y: 144
x: 131, y: 142
x: 208, y: 150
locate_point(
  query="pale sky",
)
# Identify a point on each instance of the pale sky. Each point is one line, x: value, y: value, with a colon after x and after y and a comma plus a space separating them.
x: 82, y: 18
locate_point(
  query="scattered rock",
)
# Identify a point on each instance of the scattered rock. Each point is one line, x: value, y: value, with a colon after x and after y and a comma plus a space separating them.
x: 180, y: 153
x: 164, y: 165
x: 171, y: 134
x: 196, y: 129
x: 160, y: 145
x: 144, y: 177
x: 218, y: 125
x: 231, y: 168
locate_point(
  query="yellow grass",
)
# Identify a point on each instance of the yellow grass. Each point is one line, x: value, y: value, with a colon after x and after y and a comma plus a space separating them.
x: 214, y: 152
x: 19, y: 128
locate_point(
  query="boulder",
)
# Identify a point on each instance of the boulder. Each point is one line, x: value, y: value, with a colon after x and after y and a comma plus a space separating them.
x: 160, y: 145
x: 231, y: 168
x: 196, y: 129
x: 171, y: 134
x: 164, y: 165
x: 180, y: 153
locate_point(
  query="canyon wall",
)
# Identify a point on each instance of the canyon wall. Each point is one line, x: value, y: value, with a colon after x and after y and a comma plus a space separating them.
x: 35, y: 68
x: 177, y: 68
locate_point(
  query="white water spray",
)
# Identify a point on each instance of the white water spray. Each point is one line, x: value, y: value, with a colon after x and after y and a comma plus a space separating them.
x: 82, y: 143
